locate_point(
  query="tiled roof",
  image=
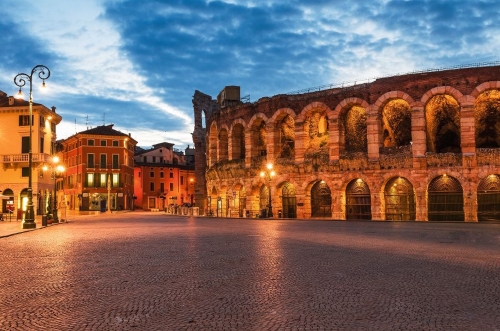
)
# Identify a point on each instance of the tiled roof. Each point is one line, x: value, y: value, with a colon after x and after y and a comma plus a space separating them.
x: 104, y: 130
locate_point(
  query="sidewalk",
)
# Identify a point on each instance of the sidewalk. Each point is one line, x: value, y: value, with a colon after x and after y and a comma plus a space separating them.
x: 11, y: 226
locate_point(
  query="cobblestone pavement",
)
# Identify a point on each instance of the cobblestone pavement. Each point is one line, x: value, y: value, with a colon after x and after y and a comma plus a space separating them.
x: 149, y: 271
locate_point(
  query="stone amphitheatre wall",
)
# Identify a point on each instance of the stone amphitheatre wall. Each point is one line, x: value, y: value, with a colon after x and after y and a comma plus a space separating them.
x: 420, y: 146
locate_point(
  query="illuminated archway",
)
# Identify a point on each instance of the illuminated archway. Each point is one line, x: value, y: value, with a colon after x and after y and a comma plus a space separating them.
x: 358, y: 201
x: 488, y: 199
x: 321, y: 200
x: 399, y: 200
x: 445, y: 199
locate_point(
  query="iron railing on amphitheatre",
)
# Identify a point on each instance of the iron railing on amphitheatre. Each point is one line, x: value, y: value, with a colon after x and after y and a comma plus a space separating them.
x: 352, y: 84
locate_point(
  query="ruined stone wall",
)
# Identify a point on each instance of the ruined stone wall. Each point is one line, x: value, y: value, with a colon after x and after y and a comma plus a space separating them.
x: 409, y: 131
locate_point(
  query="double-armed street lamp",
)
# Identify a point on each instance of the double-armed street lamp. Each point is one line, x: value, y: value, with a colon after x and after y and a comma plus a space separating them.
x: 268, y: 174
x: 56, y: 170
x: 20, y: 80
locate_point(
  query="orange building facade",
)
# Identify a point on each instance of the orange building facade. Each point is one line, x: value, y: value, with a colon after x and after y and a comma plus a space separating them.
x: 99, y: 170
x: 163, y: 177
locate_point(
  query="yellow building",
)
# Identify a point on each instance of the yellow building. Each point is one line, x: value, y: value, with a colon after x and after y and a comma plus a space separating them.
x: 14, y: 151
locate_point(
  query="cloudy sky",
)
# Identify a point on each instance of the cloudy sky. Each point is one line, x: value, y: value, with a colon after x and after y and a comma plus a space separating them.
x: 137, y: 63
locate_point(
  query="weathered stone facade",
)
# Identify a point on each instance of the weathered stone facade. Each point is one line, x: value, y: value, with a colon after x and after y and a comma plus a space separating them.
x: 422, y: 146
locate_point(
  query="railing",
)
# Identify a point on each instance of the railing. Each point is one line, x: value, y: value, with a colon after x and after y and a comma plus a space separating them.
x: 36, y: 157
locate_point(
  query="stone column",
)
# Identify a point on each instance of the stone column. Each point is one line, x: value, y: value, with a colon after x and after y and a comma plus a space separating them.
x: 373, y: 133
x: 418, y: 135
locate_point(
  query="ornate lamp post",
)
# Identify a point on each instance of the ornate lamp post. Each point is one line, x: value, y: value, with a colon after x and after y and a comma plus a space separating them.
x: 56, y: 170
x: 269, y: 174
x: 21, y: 80
x: 109, y: 195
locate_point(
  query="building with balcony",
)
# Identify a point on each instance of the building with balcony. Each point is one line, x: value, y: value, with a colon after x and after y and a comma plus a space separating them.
x: 99, y: 164
x: 420, y: 146
x: 14, y: 151
x: 163, y: 176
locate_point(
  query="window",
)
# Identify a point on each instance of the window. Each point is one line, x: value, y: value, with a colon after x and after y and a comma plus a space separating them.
x: 152, y: 174
x: 139, y: 174
x: 25, y: 144
x: 116, y: 180
x: 171, y: 175
x: 90, y: 142
x: 25, y: 172
x: 182, y: 180
x: 53, y: 127
x: 41, y: 144
x: 24, y: 120
x: 162, y: 160
x: 103, y: 142
x: 161, y: 174
x: 103, y: 180
x: 162, y: 187
x: 90, y: 180
x: 171, y: 187
x: 42, y: 120
x: 115, y: 161
x: 115, y: 143
x: 103, y: 161
x: 144, y: 159
x: 154, y: 159
x: 90, y: 161
x: 151, y: 186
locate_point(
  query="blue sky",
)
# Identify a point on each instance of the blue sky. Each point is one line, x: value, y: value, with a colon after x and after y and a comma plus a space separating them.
x: 137, y: 63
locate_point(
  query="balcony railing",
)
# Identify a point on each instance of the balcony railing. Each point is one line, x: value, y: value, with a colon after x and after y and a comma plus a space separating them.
x: 17, y: 158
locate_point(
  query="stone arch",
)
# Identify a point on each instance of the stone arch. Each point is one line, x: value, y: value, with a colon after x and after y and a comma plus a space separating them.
x: 445, y: 199
x: 400, y: 199
x: 258, y: 135
x: 358, y: 200
x: 484, y: 87
x: 488, y: 198
x: 283, y: 122
x: 353, y: 130
x: 223, y: 141
x: 321, y: 199
x: 237, y: 140
x: 315, y: 128
x: 487, y: 119
x: 288, y: 194
x: 442, y: 120
x: 212, y: 144
x: 394, y: 111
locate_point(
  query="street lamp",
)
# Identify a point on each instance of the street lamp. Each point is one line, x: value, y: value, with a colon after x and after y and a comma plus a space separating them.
x: 56, y: 170
x: 269, y: 174
x: 20, y: 80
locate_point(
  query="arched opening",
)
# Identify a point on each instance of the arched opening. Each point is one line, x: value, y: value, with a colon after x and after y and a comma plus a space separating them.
x: 442, y: 117
x: 242, y: 200
x: 263, y: 200
x: 488, y: 199
x: 223, y: 145
x: 445, y: 199
x: 258, y: 134
x: 396, y: 123
x: 212, y: 145
x: 9, y: 201
x: 238, y: 142
x: 487, y: 119
x: 289, y: 201
x: 358, y: 201
x: 353, y: 130
x: 399, y: 200
x: 316, y: 128
x: 321, y: 200
x: 285, y: 139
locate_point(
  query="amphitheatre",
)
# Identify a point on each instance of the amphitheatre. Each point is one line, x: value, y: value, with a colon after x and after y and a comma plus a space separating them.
x: 422, y: 146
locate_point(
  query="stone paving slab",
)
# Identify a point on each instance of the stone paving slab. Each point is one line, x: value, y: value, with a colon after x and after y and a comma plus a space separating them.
x: 149, y: 271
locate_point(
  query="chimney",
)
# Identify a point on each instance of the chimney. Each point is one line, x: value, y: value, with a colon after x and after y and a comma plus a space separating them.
x: 11, y: 101
x: 53, y: 109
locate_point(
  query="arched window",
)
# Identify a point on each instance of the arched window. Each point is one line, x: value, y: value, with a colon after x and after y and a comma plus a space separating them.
x: 321, y: 200
x: 399, y: 200
x: 445, y: 199
x: 358, y: 201
x: 289, y: 201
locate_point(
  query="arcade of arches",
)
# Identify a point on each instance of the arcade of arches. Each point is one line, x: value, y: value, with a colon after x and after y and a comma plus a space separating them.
x: 430, y: 152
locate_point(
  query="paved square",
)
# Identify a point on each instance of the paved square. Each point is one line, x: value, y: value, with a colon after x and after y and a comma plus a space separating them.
x: 149, y: 271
